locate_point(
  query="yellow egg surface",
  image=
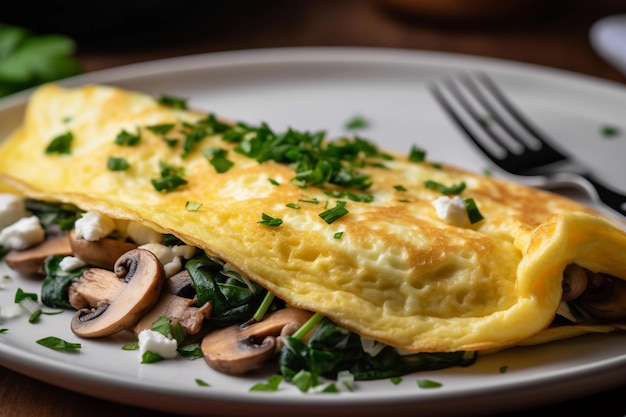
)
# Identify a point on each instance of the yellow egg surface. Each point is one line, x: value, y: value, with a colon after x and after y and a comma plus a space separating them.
x: 389, y: 268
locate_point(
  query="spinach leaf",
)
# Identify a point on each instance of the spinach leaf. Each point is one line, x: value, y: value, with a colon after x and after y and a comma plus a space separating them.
x: 234, y: 299
x: 50, y: 215
x: 55, y: 286
x: 332, y: 349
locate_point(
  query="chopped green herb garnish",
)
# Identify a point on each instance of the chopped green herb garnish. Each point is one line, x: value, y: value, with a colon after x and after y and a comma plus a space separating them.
x: 191, y: 351
x: 309, y: 200
x: 58, y: 344
x: 428, y: 383
x: 473, y: 213
x: 270, y: 386
x: 61, y: 144
x: 338, y: 235
x: 34, y: 317
x: 3, y: 330
x: 131, y: 346
x: 273, y: 181
x: 363, y: 198
x: 270, y: 221
x: 217, y: 158
x: 117, y: 164
x: 293, y: 205
x: 356, y: 122
x: 169, y: 183
x: 162, y: 325
x: 334, y: 213
x: 201, y: 383
x: 503, y: 369
x: 21, y: 295
x: 151, y: 357
x: 161, y: 129
x: 395, y: 380
x: 443, y: 189
x: 192, y: 206
x: 125, y: 138
x: 171, y: 178
x: 173, y: 102
x: 399, y: 187
x: 417, y: 154
x: 610, y: 131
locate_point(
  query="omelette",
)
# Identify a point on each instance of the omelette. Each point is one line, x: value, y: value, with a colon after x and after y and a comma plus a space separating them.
x: 421, y: 256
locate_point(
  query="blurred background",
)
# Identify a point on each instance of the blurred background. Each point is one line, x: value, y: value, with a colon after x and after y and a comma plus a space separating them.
x: 554, y: 33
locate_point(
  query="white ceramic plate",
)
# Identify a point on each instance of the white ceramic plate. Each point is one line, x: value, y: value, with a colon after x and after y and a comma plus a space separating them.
x: 322, y: 88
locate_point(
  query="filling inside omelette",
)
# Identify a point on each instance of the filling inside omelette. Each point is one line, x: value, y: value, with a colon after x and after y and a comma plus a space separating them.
x: 251, y: 243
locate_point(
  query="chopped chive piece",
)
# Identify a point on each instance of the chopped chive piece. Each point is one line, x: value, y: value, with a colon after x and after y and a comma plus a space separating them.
x: 34, y: 318
x: 443, y: 189
x: 417, y: 154
x: 338, y: 235
x: 61, y: 144
x: 428, y: 383
x: 356, y: 122
x: 270, y: 221
x: 131, y: 346
x: 270, y: 386
x: 395, y: 380
x: 473, y: 213
x: 3, y: 330
x: 192, y: 206
x: 169, y: 183
x: 58, y: 344
x: 125, y: 138
x: 293, y: 205
x: 161, y: 129
x: 399, y: 187
x: 173, y: 102
x: 191, y: 351
x: 273, y: 181
x: 217, y: 157
x: 609, y: 131
x: 201, y: 383
x: 22, y: 295
x: 309, y: 200
x: 364, y: 198
x: 334, y: 213
x: 117, y: 164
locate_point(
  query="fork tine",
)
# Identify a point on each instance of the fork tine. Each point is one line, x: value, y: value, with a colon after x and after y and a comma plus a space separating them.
x: 546, y: 154
x: 502, y: 128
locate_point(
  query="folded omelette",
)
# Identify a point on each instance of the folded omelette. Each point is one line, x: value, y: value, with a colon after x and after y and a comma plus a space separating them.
x: 377, y: 241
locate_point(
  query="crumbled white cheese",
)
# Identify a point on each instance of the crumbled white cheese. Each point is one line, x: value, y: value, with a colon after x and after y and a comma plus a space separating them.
x: 170, y: 256
x: 93, y: 226
x: 22, y: 234
x: 142, y: 235
x: 71, y: 263
x: 155, y: 342
x: 12, y: 208
x: 452, y: 210
x: 371, y: 347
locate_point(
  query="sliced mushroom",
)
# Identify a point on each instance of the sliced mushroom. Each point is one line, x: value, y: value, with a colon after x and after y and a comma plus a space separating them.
x: 574, y: 282
x: 605, y: 298
x: 178, y: 307
x: 31, y: 261
x: 95, y: 287
x: 239, y: 349
x: 143, y: 278
x: 101, y: 253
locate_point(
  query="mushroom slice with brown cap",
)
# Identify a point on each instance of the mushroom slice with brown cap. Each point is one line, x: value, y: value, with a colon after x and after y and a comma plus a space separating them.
x: 31, y: 261
x: 239, y: 349
x: 177, y: 308
x: 102, y: 253
x: 605, y: 298
x: 144, y: 277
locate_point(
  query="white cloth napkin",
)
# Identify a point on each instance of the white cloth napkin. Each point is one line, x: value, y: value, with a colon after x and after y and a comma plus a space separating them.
x: 608, y: 38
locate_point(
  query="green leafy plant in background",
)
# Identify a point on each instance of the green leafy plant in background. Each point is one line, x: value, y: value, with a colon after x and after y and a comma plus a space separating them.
x: 28, y: 60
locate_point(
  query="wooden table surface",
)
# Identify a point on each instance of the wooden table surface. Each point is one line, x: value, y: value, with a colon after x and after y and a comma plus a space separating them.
x: 556, y: 35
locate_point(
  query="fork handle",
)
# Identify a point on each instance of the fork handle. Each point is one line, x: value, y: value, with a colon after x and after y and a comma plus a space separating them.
x: 613, y: 199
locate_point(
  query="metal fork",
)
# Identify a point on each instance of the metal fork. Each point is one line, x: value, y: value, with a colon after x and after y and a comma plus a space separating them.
x: 500, y: 130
